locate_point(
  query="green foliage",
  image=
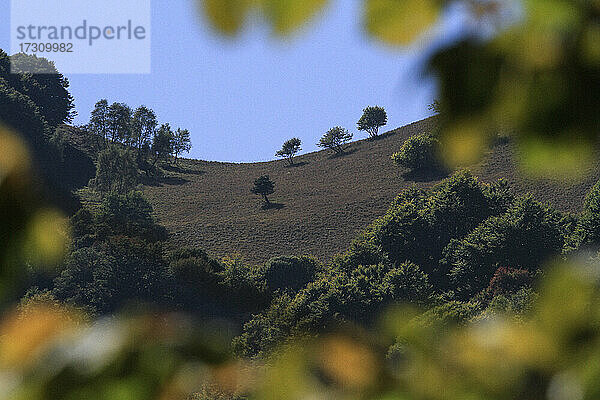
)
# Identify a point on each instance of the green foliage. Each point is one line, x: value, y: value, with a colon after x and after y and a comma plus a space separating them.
x: 438, y: 354
x: 516, y: 303
x: 419, y: 152
x: 138, y: 130
x: 525, y: 237
x: 34, y: 180
x: 587, y: 229
x: 181, y: 142
x: 372, y: 119
x: 399, y: 22
x: 193, y: 269
x: 117, y: 273
x: 335, y: 139
x: 288, y: 273
x: 129, y: 215
x: 162, y: 144
x: 43, y: 156
x: 214, y: 392
x: 508, y: 280
x: 263, y: 186
x: 46, y: 87
x: 451, y: 312
x: 419, y: 225
x: 116, y: 170
x: 118, y: 118
x: 332, y: 301
x: 244, y: 290
x: 540, y: 75
x: 143, y: 125
x: 289, y: 149
x: 98, y: 124
x: 207, y: 288
x: 544, y: 125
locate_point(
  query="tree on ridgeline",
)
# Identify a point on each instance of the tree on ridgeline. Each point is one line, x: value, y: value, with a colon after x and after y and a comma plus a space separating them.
x: 98, y: 124
x: 119, y: 123
x: 289, y: 149
x: 181, y: 143
x: 335, y: 139
x: 162, y: 144
x: 372, y: 119
x: 143, y: 126
x: 263, y: 186
x: 41, y: 82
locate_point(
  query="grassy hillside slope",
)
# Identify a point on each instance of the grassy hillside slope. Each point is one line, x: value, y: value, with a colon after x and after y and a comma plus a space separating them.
x: 323, y: 202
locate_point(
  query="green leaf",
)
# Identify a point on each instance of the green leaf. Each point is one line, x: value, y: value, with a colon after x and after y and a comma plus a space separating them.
x: 226, y: 16
x: 557, y: 159
x: 286, y: 16
x: 399, y: 22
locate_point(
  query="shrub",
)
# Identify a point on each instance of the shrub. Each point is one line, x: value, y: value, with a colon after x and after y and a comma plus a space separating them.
x: 240, y: 286
x: 129, y: 215
x: 288, y: 273
x: 419, y: 152
x: 408, y: 284
x: 449, y: 313
x: 194, y: 268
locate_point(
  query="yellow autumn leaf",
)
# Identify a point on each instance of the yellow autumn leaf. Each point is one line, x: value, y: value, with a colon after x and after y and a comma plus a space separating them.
x: 399, y: 22
x: 226, y: 16
x: 286, y: 16
x: 47, y: 237
x: 348, y: 362
x: 24, y: 338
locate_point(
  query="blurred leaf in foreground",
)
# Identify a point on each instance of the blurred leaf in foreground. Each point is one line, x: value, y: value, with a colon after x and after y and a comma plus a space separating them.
x: 226, y: 16
x: 284, y: 16
x: 529, y: 69
x: 399, y: 22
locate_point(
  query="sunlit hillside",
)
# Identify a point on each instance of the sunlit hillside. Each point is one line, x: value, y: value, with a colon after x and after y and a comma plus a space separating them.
x: 321, y: 203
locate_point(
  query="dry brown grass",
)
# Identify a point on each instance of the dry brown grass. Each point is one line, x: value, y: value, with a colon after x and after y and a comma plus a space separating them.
x: 324, y: 201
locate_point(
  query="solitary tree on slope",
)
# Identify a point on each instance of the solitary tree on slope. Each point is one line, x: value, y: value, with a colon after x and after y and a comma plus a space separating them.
x: 263, y: 186
x: 372, y: 119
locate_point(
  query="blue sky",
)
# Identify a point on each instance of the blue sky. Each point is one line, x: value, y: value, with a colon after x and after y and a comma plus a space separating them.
x: 242, y: 98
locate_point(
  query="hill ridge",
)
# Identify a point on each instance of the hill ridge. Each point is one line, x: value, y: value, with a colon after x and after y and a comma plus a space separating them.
x: 322, y: 203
